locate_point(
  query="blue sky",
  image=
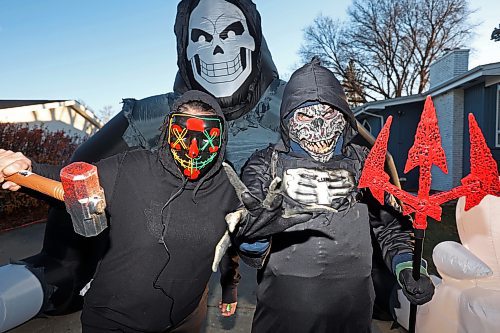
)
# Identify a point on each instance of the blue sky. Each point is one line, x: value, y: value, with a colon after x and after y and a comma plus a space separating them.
x: 103, y: 51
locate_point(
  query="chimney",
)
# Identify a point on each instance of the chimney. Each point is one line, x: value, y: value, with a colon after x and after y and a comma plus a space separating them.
x: 454, y: 63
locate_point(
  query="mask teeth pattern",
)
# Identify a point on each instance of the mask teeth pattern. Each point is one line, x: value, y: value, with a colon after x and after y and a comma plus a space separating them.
x: 319, y: 147
x: 221, y: 68
x: 190, y: 163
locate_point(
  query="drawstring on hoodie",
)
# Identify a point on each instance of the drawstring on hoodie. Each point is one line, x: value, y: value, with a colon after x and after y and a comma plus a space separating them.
x: 165, y: 226
x: 196, y: 188
x: 162, y: 239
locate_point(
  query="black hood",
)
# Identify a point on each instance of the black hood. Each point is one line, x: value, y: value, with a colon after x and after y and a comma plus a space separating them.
x: 167, y: 159
x: 263, y: 69
x: 315, y: 83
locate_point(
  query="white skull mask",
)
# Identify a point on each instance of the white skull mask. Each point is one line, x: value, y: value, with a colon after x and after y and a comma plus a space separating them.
x: 317, y: 129
x: 220, y: 47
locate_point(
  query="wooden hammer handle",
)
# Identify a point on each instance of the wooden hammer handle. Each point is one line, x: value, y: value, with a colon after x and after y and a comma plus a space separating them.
x: 38, y: 183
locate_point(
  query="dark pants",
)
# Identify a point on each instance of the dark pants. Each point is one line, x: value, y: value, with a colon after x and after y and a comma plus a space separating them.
x: 191, y: 324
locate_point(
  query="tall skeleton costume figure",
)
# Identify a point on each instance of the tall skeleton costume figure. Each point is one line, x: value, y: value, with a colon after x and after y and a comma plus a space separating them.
x: 221, y: 51
x: 317, y: 276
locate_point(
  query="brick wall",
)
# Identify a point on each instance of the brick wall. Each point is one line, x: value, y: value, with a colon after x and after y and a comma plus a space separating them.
x: 452, y: 64
x: 450, y: 114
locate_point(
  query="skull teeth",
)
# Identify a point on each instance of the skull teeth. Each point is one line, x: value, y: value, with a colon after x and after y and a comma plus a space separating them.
x: 318, y: 147
x: 221, y: 68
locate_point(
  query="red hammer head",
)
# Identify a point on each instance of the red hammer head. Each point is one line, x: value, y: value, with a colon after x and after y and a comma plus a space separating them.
x: 84, y: 198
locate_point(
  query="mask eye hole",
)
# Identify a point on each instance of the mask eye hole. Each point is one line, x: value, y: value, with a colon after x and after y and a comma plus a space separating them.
x: 232, y: 30
x: 330, y: 114
x: 301, y: 116
x: 214, y: 132
x: 176, y: 129
x: 198, y: 35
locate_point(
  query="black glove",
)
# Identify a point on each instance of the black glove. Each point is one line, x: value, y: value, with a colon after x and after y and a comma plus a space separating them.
x: 418, y: 292
x: 264, y: 220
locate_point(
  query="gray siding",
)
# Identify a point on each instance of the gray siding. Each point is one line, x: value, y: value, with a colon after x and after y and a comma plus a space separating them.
x: 374, y: 123
x: 481, y: 102
x: 403, y: 129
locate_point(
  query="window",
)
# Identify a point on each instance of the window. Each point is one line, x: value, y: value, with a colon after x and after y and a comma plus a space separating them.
x: 369, y: 128
x: 497, y: 136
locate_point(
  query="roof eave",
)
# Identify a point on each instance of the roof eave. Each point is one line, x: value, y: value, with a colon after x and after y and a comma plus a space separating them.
x: 478, y: 73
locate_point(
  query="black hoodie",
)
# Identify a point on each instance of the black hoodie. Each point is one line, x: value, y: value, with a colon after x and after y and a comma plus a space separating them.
x: 162, y: 236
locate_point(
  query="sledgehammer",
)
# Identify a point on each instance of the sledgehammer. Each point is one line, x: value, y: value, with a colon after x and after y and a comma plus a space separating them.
x: 79, y: 189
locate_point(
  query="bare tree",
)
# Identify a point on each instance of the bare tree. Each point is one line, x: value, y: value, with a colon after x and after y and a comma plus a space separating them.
x: 390, y: 44
x: 106, y: 113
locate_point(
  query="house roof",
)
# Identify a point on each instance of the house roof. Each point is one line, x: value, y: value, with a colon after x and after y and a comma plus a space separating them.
x: 49, y: 104
x: 489, y: 74
x: 14, y: 103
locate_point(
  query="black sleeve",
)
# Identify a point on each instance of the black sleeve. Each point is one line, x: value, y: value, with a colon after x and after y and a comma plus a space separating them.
x: 47, y: 170
x: 108, y: 170
x: 106, y: 142
x: 256, y: 173
x: 391, y: 229
x: 229, y: 275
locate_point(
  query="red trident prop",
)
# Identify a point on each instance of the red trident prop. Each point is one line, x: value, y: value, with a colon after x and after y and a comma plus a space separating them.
x: 426, y: 151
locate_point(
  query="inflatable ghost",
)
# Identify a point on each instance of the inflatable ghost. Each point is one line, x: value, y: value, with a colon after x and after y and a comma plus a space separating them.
x: 467, y: 299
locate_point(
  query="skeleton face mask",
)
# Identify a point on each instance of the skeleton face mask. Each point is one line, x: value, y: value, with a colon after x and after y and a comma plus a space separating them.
x: 317, y: 129
x: 220, y: 47
x: 195, y: 142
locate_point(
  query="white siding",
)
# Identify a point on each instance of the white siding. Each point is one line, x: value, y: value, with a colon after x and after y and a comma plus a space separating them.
x: 54, y: 116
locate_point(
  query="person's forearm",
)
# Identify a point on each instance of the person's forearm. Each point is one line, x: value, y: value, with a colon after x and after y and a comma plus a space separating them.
x: 230, y: 276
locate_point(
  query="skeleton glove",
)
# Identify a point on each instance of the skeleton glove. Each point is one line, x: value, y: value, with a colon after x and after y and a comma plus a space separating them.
x: 262, y: 218
x: 322, y: 187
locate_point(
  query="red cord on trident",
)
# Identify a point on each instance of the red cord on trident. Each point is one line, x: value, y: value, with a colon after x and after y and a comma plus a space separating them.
x: 426, y: 151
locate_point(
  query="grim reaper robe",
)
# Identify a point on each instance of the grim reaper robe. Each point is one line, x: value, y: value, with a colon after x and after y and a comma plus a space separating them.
x: 317, y: 277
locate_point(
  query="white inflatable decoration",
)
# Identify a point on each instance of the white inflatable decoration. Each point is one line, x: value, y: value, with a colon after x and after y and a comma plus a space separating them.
x: 467, y: 299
